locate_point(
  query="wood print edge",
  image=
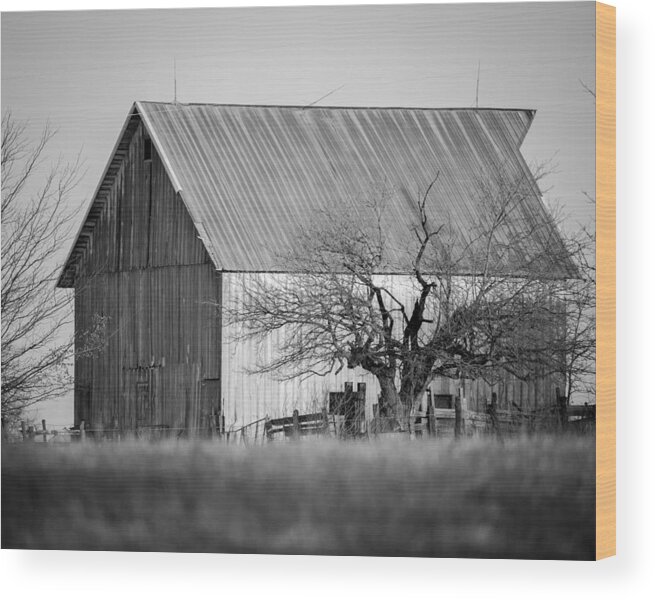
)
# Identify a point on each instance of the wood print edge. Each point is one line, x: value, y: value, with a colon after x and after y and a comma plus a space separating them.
x: 606, y: 282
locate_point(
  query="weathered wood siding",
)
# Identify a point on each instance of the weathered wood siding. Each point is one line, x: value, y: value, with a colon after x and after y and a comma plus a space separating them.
x: 148, y: 276
x: 143, y: 223
x: 248, y: 396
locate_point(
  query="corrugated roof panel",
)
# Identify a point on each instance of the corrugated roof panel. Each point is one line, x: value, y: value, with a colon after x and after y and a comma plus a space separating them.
x: 252, y: 177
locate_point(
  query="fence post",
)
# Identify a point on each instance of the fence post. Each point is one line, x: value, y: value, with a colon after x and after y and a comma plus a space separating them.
x: 458, y: 416
x: 361, y: 405
x: 349, y: 413
x: 432, y: 422
x: 464, y: 408
x: 361, y: 393
x: 45, y: 437
x: 376, y: 418
x: 82, y: 431
x: 296, y: 425
x: 324, y: 416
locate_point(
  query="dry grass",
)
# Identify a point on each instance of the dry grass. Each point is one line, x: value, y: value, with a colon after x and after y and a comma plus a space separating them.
x: 528, y: 498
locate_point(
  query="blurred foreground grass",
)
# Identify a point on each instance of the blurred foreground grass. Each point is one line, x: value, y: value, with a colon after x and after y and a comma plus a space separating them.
x: 526, y: 498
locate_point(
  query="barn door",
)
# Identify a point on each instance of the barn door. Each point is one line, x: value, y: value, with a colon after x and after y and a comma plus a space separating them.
x: 210, y: 402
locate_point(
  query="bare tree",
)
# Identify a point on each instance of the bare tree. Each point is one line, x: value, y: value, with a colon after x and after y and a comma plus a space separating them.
x: 35, y: 222
x: 467, y: 304
x: 579, y: 332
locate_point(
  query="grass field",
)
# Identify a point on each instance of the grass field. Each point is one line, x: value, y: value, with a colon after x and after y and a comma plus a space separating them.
x: 525, y: 498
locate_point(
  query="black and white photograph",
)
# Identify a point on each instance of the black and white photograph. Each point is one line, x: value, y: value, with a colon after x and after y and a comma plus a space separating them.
x: 299, y: 280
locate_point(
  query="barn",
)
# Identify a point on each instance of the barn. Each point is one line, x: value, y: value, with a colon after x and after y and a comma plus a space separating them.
x: 198, y: 198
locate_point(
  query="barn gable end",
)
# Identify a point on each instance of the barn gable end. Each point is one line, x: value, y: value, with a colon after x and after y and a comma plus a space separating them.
x: 146, y: 294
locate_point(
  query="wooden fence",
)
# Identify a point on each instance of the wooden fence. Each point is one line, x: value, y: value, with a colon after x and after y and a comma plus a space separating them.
x: 344, y: 417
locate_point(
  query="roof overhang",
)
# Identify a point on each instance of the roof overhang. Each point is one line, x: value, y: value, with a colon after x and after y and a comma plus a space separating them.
x: 67, y: 276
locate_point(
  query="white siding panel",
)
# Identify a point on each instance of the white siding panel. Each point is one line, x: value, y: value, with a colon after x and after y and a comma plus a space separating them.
x: 248, y: 397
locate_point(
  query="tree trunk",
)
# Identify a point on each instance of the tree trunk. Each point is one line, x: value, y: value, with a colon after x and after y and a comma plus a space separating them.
x: 415, y: 374
x: 411, y: 393
x: 390, y: 403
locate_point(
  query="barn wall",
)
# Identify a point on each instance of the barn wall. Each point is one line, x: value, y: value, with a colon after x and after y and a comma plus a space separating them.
x: 248, y: 397
x: 148, y: 279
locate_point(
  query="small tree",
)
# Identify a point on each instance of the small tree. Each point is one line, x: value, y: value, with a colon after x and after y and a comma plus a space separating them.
x: 35, y: 315
x: 471, y: 304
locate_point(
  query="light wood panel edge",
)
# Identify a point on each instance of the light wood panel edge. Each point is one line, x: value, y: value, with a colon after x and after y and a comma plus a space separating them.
x: 606, y: 282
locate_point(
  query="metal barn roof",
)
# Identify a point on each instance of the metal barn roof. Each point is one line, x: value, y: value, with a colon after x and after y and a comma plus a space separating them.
x: 252, y: 177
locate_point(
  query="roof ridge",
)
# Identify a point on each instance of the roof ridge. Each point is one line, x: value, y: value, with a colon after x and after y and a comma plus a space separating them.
x: 323, y: 107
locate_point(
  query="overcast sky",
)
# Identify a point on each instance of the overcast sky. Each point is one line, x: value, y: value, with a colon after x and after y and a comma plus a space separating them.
x: 82, y: 70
